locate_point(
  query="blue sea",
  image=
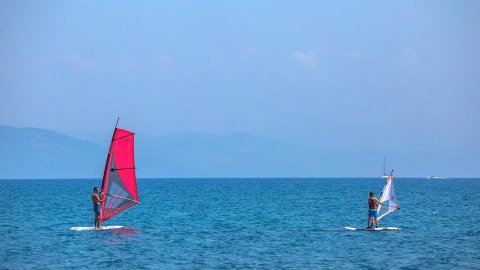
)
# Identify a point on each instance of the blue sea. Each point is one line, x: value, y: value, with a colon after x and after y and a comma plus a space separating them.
x: 242, y: 224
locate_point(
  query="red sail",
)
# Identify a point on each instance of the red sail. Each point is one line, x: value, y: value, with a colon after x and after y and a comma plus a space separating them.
x: 119, y: 181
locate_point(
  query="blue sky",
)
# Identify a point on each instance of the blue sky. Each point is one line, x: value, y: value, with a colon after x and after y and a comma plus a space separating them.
x: 390, y: 77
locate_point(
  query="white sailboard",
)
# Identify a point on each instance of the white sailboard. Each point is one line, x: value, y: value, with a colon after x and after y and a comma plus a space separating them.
x: 373, y: 229
x: 390, y: 205
x: 93, y: 228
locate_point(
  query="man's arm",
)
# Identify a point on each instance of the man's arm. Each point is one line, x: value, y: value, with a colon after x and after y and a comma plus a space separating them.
x: 106, y: 195
x: 98, y: 200
x: 379, y: 202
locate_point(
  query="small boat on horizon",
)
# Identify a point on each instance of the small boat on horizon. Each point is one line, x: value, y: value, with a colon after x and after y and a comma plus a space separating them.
x: 385, y: 175
x: 432, y: 177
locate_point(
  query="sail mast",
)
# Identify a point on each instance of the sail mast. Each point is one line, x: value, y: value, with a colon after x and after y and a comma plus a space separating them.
x: 108, y: 155
x: 383, y: 165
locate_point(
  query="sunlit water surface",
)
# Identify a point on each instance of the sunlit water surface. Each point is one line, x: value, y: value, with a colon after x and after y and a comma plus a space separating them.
x: 242, y: 224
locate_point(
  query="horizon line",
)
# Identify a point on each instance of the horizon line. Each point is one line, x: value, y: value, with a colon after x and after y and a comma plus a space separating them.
x: 250, y: 178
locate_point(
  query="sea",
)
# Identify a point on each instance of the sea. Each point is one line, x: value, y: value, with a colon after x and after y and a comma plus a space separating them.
x: 290, y: 223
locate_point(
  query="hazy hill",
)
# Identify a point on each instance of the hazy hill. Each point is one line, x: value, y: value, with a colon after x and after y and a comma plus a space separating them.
x: 40, y: 153
x: 236, y: 155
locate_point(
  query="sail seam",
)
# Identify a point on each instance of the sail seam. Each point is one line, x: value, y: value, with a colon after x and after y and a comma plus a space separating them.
x: 122, y: 137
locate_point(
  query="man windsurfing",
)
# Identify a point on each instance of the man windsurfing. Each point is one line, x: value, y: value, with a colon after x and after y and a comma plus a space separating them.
x: 97, y: 207
x: 373, y: 210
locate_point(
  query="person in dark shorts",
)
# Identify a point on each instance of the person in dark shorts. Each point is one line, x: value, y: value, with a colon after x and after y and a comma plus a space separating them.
x: 97, y: 207
x: 373, y: 210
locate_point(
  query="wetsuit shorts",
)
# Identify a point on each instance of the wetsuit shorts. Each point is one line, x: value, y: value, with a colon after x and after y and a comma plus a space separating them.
x: 97, y: 209
x: 373, y: 213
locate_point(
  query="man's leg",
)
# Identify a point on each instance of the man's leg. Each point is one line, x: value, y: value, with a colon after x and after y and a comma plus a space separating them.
x: 369, y: 221
x: 97, y: 223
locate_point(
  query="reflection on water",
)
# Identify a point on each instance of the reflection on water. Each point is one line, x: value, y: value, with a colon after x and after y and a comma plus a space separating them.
x: 119, y: 236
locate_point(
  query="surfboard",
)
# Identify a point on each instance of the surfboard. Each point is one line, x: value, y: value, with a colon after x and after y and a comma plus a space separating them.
x: 93, y: 228
x: 373, y: 229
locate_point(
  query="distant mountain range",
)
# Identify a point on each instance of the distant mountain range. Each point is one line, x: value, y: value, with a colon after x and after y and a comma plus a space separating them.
x: 40, y: 153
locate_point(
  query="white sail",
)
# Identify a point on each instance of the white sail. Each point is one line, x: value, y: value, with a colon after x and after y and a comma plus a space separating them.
x: 389, y: 198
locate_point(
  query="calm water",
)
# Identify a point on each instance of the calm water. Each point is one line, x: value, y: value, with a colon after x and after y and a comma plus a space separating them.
x: 242, y: 223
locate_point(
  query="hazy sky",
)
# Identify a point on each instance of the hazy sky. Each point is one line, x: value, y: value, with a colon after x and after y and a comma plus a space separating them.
x: 360, y: 75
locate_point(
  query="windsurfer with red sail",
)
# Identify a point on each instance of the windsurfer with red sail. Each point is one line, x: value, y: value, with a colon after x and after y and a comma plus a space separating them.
x: 97, y: 207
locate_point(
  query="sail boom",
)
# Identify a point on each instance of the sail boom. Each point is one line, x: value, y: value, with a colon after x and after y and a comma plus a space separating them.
x: 119, y: 169
x: 384, y: 214
x: 120, y: 197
